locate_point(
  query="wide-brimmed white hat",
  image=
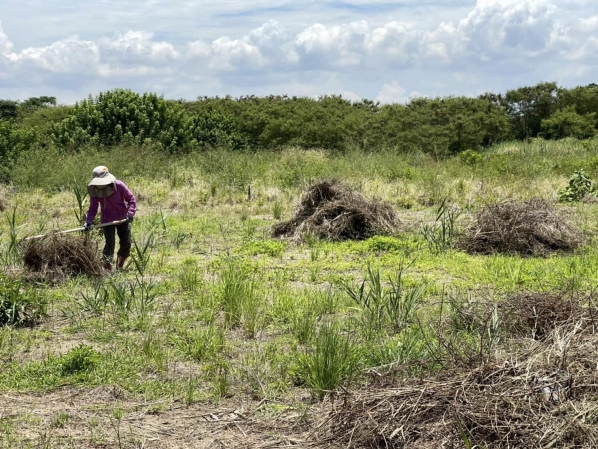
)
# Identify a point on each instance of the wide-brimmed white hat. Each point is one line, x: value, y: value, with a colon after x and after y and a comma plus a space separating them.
x: 102, y: 177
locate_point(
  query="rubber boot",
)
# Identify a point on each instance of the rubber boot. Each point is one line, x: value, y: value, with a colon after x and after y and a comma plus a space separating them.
x: 120, y: 261
x: 108, y: 266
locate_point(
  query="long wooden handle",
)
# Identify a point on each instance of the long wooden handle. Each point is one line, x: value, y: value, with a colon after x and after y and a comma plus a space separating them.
x: 82, y: 228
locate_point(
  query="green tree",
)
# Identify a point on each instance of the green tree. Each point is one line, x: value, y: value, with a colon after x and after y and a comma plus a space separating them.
x: 8, y: 109
x: 528, y: 106
x: 123, y: 115
x: 568, y: 123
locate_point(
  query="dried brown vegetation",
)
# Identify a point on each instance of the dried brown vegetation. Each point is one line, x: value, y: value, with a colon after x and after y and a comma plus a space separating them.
x: 528, y: 228
x: 55, y: 257
x: 330, y: 210
x: 532, y: 392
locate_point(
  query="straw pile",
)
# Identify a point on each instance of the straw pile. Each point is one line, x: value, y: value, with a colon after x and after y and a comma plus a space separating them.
x: 55, y: 257
x: 330, y: 210
x: 529, y: 228
x: 533, y: 393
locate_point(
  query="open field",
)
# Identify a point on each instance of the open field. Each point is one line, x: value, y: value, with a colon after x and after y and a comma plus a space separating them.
x: 219, y: 335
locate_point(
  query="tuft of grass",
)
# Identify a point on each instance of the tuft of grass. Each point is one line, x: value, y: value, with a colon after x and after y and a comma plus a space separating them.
x: 332, y: 359
x: 199, y: 343
x: 81, y: 359
x: 20, y: 305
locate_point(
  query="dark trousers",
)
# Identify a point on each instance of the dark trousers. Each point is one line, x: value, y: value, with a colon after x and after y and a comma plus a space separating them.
x: 124, y: 241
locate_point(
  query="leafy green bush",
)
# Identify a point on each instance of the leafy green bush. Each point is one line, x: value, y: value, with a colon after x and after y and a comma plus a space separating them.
x: 580, y: 186
x: 14, y: 139
x: 214, y: 129
x: 122, y: 115
x: 19, y: 305
x: 471, y: 158
x: 568, y: 123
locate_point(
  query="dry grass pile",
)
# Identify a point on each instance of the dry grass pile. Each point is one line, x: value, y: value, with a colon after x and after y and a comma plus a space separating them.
x: 57, y: 256
x: 529, y: 228
x: 330, y: 210
x: 534, y: 393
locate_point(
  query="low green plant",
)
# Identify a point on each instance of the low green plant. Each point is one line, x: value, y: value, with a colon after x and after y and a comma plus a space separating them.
x: 277, y: 210
x: 391, y: 303
x: 470, y: 158
x: 441, y: 235
x: 81, y: 198
x: 332, y: 359
x: 95, y: 302
x: 81, y: 359
x: 237, y: 288
x: 142, y: 253
x: 199, y: 343
x: 190, y: 276
x: 20, y: 305
x: 580, y: 186
x: 272, y: 248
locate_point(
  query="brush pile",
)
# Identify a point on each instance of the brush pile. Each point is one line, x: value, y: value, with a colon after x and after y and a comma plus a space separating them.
x: 529, y: 228
x: 55, y: 257
x: 330, y: 210
x: 532, y: 393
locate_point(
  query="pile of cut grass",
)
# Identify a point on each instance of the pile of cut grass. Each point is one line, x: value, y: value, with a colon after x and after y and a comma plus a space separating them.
x: 528, y: 228
x: 330, y: 210
x: 56, y: 257
x: 532, y: 393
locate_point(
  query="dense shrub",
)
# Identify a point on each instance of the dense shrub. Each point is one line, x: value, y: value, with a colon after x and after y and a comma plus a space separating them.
x: 123, y: 116
x: 14, y: 139
x: 568, y: 123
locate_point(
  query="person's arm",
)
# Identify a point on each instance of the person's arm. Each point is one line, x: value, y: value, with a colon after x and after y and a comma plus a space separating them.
x: 130, y: 200
x: 93, y: 209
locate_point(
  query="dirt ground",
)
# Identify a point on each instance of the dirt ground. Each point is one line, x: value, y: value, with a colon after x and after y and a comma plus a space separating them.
x: 105, y: 418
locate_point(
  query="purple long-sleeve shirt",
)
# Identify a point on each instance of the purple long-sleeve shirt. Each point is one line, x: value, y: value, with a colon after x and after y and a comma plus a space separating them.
x: 116, y: 207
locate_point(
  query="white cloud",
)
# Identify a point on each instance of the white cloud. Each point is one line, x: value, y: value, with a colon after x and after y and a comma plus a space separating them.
x: 589, y: 24
x: 70, y: 55
x: 503, y: 27
x: 140, y: 44
x: 494, y: 45
x: 391, y: 93
x: 329, y: 46
x: 5, y: 44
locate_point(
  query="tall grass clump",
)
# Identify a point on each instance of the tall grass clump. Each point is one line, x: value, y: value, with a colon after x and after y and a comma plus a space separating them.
x: 331, y: 360
x: 441, y: 235
x: 241, y: 296
x: 20, y: 305
x: 199, y: 343
x: 385, y: 304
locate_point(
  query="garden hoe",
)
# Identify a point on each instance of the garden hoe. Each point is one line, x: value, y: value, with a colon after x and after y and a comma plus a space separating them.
x: 82, y: 228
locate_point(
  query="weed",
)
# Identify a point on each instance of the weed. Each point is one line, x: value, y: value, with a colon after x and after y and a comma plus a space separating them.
x: 393, y: 304
x: 580, y: 186
x: 142, y: 253
x: 272, y: 248
x: 442, y: 234
x: 332, y: 360
x: 190, y: 276
x: 238, y: 291
x: 81, y: 198
x: 277, y: 210
x: 199, y: 343
x: 60, y: 420
x: 81, y: 359
x: 20, y: 305
x: 95, y: 302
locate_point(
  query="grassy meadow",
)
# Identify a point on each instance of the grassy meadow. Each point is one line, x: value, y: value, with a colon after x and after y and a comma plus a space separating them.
x: 214, y: 317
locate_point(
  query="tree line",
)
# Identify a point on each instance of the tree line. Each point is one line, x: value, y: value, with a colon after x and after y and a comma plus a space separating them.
x: 441, y: 126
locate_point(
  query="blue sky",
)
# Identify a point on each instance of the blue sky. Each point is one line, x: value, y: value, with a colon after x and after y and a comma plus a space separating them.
x: 385, y: 50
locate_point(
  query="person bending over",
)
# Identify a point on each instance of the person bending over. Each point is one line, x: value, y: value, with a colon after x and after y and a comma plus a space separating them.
x: 117, y: 203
